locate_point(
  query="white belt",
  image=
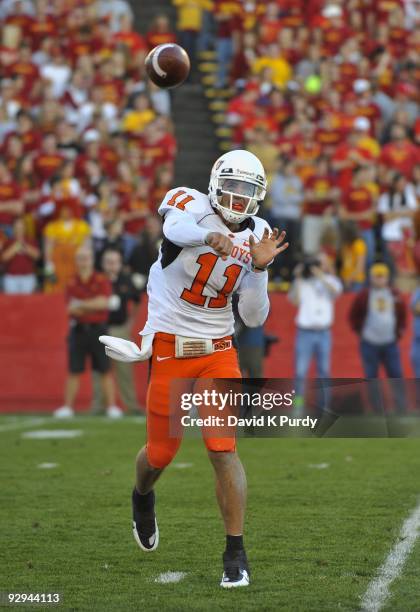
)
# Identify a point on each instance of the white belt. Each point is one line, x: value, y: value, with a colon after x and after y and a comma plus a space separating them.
x: 198, y: 347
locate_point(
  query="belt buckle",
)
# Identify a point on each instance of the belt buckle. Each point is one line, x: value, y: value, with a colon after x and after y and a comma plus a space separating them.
x: 192, y: 347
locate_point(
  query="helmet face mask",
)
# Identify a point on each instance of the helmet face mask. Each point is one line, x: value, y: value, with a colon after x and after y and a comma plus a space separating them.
x: 237, y: 186
x: 238, y: 197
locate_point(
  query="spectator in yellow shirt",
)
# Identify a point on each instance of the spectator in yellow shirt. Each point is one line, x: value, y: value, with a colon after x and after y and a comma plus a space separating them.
x: 281, y: 71
x: 62, y: 238
x: 142, y: 113
x: 353, y: 257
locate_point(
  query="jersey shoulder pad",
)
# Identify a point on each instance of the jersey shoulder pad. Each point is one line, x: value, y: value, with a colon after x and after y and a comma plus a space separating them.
x: 184, y: 199
x: 260, y: 226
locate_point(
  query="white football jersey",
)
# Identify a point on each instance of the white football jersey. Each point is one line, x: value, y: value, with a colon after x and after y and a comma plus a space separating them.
x: 190, y: 288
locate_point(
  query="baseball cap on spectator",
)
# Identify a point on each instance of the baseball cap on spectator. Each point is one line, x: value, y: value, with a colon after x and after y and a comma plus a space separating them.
x: 252, y: 86
x: 332, y: 10
x: 362, y: 124
x: 361, y: 85
x: 379, y: 269
x: 91, y: 136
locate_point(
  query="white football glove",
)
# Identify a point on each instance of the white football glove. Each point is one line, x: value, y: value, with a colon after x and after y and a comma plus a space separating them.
x: 127, y: 351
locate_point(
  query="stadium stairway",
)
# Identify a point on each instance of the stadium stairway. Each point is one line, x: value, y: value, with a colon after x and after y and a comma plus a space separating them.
x: 217, y: 99
x: 195, y: 134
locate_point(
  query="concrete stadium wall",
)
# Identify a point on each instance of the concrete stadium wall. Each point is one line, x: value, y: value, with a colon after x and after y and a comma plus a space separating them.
x: 33, y: 333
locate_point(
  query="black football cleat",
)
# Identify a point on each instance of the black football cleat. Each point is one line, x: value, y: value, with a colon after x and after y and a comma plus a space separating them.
x: 145, y: 527
x: 236, y: 570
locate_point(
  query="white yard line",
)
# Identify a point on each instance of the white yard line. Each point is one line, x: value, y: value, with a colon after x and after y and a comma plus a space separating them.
x: 51, y: 434
x: 23, y: 424
x: 16, y: 423
x: 170, y: 577
x: 378, y: 589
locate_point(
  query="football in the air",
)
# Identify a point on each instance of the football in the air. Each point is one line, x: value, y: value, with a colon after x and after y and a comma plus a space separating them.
x: 168, y: 65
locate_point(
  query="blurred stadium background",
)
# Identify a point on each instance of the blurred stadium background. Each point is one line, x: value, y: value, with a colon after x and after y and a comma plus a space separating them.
x: 325, y: 92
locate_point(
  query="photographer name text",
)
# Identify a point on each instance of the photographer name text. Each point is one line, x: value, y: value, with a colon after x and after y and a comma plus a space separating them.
x: 264, y: 420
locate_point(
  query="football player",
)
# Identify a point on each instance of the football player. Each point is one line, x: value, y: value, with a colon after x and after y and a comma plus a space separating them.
x: 213, y: 246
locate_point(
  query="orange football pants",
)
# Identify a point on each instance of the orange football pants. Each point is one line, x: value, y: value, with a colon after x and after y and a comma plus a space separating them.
x: 161, y: 447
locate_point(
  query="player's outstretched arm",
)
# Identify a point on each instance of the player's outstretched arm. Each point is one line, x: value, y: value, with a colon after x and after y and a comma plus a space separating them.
x: 254, y: 305
x: 181, y: 228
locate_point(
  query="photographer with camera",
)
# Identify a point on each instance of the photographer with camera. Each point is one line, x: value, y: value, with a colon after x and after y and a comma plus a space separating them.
x: 314, y: 290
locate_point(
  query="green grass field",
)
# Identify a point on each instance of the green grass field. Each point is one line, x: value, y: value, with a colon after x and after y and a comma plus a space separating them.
x: 315, y: 537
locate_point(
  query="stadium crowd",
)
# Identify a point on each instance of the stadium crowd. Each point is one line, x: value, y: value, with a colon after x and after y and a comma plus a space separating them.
x: 87, y: 144
x: 326, y: 95
x: 324, y: 92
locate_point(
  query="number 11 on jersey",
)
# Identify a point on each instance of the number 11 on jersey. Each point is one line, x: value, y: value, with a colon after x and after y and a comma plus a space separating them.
x: 194, y: 295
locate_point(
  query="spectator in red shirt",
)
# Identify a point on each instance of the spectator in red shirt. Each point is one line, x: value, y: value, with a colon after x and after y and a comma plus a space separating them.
x: 102, y: 43
x: 398, y: 34
x: 13, y: 152
x: 25, y: 67
x: 96, y: 152
x: 11, y: 203
x: 328, y: 135
x: 306, y: 151
x: 246, y: 54
x: 88, y: 304
x: 26, y: 179
x: 400, y: 154
x: 158, y: 146
x: 270, y: 24
x: 319, y: 206
x: 134, y: 210
x: 240, y: 109
x: 382, y: 9
x: 365, y: 105
x: 131, y: 40
x: 20, y: 16
x: 358, y: 205
x: 80, y: 42
x: 49, y: 159
x: 335, y: 31
x: 26, y: 129
x: 112, y: 88
x: 348, y: 156
x: 42, y: 26
x: 19, y: 258
x: 164, y: 182
x: 160, y: 32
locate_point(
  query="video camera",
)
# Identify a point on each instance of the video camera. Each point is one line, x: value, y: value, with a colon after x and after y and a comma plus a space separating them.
x: 308, y: 264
